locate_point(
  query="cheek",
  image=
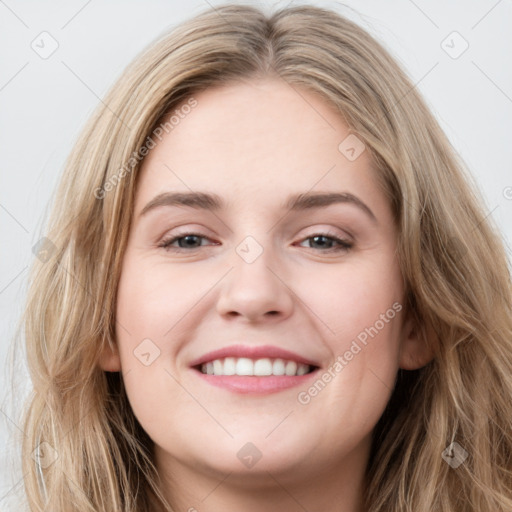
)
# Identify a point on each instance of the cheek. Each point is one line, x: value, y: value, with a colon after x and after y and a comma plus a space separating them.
x: 153, y: 297
x: 150, y: 301
x: 358, y: 308
x: 347, y: 299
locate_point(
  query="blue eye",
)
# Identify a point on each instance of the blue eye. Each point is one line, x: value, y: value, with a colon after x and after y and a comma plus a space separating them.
x: 331, y: 241
x: 188, y: 239
x: 326, y: 242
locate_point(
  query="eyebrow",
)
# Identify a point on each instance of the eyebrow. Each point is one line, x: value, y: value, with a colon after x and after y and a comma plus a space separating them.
x: 298, y: 202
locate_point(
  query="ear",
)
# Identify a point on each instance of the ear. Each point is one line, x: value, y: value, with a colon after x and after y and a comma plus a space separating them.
x: 416, y: 345
x: 109, y: 360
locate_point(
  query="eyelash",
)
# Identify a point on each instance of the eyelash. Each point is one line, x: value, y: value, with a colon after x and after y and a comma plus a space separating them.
x: 345, y: 245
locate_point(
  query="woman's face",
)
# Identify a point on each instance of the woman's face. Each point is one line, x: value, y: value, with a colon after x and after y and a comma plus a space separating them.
x: 260, y: 277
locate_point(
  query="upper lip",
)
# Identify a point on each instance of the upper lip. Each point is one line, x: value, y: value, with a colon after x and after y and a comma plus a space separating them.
x: 252, y: 352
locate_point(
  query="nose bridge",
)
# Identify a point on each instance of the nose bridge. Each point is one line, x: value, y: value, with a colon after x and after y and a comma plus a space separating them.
x: 252, y: 289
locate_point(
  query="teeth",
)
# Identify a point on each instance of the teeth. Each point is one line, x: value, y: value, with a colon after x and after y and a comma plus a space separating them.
x: 279, y: 367
x: 291, y: 368
x: 302, y: 369
x: 262, y: 367
x: 243, y: 366
x: 229, y: 366
x: 249, y: 367
x: 217, y: 366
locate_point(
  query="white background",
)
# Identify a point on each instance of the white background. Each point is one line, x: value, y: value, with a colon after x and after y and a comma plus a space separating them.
x: 44, y: 103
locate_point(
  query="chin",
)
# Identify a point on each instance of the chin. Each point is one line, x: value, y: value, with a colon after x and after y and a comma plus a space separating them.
x: 250, y: 453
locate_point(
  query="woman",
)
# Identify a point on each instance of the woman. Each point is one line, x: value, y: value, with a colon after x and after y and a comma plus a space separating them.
x: 261, y: 368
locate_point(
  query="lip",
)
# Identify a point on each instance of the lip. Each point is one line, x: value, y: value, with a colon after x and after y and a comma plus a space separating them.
x: 250, y: 383
x: 256, y: 385
x: 253, y: 352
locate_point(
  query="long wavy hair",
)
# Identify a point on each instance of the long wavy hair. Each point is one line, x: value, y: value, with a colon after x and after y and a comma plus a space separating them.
x: 458, y: 285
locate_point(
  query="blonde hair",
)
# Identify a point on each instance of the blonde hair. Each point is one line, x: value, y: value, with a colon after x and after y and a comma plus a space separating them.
x: 458, y: 285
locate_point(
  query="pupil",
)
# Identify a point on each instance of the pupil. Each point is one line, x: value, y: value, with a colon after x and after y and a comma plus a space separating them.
x: 189, y: 240
x: 315, y: 239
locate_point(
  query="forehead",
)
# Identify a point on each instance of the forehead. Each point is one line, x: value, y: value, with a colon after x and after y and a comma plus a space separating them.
x: 256, y: 139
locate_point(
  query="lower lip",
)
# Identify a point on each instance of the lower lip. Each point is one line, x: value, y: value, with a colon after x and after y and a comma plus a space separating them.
x: 257, y: 385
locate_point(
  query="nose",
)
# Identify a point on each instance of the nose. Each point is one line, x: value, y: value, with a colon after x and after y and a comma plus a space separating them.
x: 255, y: 292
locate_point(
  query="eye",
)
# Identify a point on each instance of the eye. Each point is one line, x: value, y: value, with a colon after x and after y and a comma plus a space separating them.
x: 185, y: 241
x: 328, y: 241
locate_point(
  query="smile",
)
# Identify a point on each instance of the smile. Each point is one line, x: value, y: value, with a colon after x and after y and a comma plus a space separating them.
x: 259, y: 376
x: 259, y: 368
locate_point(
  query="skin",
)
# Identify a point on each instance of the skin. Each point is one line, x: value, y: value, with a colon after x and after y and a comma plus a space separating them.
x: 253, y: 143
